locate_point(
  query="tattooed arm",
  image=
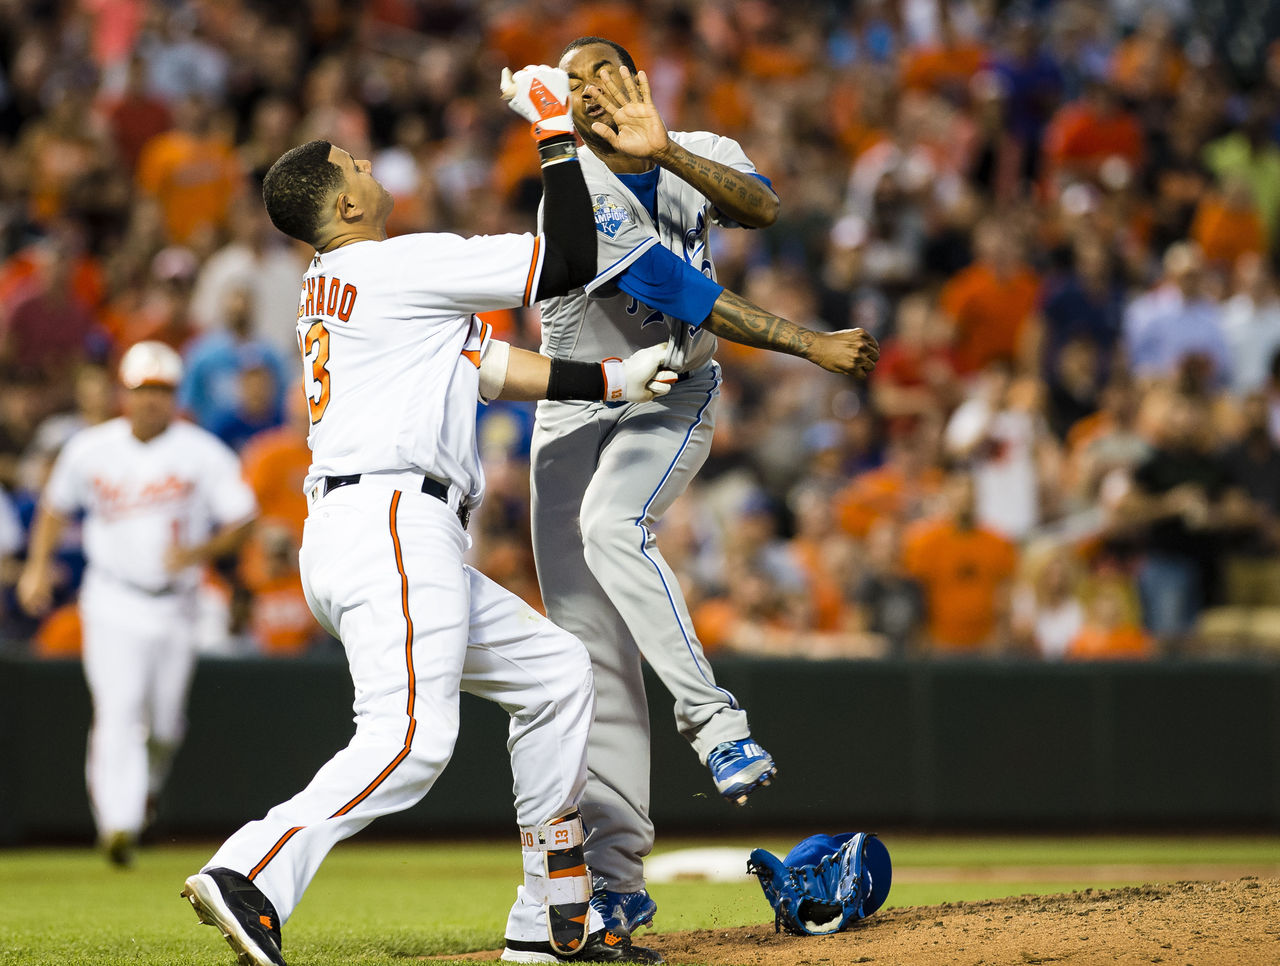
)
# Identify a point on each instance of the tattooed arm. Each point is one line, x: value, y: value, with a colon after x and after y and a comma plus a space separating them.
x: 738, y: 320
x: 740, y: 196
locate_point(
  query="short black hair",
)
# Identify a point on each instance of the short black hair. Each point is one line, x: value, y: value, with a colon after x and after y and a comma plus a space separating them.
x: 295, y: 188
x: 621, y: 51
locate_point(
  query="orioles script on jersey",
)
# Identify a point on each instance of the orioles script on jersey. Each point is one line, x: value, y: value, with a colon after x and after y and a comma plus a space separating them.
x: 114, y: 500
x: 331, y: 297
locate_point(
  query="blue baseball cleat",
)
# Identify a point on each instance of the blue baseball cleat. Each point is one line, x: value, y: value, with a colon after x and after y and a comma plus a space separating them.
x: 624, y: 911
x: 740, y: 767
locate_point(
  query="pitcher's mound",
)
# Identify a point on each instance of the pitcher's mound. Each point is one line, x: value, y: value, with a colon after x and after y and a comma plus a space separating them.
x: 1200, y: 923
x: 1231, y: 923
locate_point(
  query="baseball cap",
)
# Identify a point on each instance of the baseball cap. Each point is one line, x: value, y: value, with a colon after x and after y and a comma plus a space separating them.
x: 150, y: 364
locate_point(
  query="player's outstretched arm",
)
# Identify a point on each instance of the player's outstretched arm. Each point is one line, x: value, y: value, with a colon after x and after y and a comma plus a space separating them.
x: 540, y: 94
x: 852, y: 351
x: 642, y: 134
x: 510, y: 373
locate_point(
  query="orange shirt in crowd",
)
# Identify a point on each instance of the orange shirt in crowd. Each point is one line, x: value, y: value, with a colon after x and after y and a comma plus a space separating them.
x: 1225, y: 233
x: 1140, y: 67
x: 60, y: 634
x: 824, y: 586
x: 88, y: 280
x: 280, y: 620
x: 714, y: 621
x: 990, y: 313
x: 195, y: 180
x: 882, y: 493
x: 275, y: 465
x: 1081, y: 137
x: 942, y: 68
x: 962, y: 572
x: 1094, y: 642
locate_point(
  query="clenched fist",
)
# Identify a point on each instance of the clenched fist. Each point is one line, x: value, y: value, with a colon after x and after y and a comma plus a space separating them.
x: 852, y: 351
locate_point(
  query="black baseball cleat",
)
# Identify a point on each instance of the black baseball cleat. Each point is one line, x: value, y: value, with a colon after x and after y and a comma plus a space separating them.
x: 246, y: 917
x: 119, y: 848
x: 602, y: 946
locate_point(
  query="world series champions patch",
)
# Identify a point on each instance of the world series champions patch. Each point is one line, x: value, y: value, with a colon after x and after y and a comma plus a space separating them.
x: 609, y: 214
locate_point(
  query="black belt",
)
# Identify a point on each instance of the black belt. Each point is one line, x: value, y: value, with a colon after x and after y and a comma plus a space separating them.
x: 430, y: 486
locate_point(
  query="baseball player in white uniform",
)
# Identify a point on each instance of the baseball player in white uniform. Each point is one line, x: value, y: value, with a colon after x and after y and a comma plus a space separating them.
x: 393, y: 362
x: 161, y: 497
x: 603, y: 475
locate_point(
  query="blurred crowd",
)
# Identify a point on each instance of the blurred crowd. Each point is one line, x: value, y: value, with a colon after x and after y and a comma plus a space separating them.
x: 1057, y: 217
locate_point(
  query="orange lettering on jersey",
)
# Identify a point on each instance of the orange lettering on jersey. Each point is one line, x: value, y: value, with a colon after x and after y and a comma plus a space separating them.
x: 318, y: 394
x: 116, y: 499
x: 310, y: 290
x: 319, y: 294
x: 333, y: 296
x: 348, y: 302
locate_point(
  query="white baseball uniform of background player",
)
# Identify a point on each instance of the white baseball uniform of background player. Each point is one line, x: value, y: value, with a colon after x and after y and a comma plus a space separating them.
x: 159, y: 496
x: 394, y: 361
x: 603, y: 475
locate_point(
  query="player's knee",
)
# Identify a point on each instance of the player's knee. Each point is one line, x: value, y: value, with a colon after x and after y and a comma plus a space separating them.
x: 604, y: 539
x: 574, y: 682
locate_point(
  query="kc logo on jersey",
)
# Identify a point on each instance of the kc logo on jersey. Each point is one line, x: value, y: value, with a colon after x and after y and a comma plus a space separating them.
x: 610, y: 215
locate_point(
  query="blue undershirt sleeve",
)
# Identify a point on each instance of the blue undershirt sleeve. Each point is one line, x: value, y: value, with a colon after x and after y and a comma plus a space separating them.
x: 669, y: 284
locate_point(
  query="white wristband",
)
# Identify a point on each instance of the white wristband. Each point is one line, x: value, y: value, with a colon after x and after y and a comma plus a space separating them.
x: 493, y: 369
x: 615, y: 380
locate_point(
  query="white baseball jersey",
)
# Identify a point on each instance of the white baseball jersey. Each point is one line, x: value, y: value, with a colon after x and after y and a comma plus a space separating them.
x: 143, y: 498
x: 391, y: 354
x: 600, y: 320
x: 391, y: 351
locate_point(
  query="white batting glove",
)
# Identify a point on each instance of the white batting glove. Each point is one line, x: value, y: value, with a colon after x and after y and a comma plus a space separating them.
x: 540, y: 95
x: 638, y: 378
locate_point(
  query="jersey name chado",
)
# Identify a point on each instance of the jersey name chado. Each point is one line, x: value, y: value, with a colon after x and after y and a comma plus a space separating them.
x: 331, y: 297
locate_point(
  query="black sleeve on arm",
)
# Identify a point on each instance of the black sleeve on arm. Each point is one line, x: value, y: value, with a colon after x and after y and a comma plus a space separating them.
x: 575, y: 380
x: 567, y: 222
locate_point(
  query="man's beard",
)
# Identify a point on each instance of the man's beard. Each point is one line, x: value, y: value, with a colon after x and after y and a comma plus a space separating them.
x: 594, y: 140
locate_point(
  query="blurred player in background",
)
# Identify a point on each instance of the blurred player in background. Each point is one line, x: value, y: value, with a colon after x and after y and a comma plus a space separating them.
x: 603, y: 475
x: 161, y: 499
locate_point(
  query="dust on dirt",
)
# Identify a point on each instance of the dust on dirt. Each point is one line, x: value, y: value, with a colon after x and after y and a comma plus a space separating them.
x: 1181, y: 924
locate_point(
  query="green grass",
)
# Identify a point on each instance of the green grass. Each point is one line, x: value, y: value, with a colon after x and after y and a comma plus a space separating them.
x: 378, y: 904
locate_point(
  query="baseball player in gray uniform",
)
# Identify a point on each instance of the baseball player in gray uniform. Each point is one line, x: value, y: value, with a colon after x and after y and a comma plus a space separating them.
x: 603, y: 475
x: 393, y: 361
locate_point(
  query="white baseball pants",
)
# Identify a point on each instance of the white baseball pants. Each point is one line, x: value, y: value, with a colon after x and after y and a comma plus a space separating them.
x: 139, y: 653
x: 383, y: 571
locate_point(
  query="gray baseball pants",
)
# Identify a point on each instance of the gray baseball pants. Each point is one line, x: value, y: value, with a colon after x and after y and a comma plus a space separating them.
x: 602, y: 477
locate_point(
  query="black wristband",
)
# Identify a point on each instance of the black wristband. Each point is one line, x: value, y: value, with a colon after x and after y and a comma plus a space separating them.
x: 575, y: 380
x: 553, y: 150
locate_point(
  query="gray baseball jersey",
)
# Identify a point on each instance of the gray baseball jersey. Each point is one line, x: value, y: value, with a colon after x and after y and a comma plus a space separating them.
x: 602, y: 477
x: 601, y: 320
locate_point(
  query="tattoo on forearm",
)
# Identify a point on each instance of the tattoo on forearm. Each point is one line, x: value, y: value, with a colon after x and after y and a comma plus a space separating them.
x: 736, y: 319
x: 748, y: 193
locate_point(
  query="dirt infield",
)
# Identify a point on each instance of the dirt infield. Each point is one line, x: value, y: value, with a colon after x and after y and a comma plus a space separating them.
x: 1192, y: 923
x: 1232, y: 923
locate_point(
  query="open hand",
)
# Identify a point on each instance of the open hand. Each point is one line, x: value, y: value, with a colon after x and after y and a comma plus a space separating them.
x: 641, y: 131
x: 35, y: 590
